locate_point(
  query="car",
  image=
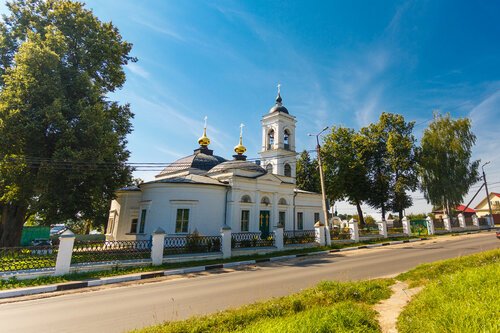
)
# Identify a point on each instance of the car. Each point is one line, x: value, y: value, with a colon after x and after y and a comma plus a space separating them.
x: 498, y: 234
x: 57, y: 229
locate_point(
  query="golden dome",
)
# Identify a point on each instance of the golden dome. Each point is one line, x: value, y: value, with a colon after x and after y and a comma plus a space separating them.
x: 240, y: 149
x: 204, y: 140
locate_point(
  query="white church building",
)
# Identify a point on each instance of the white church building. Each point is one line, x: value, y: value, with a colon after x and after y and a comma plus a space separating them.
x: 204, y: 192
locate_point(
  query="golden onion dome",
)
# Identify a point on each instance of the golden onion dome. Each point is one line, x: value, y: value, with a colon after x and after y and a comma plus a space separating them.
x: 204, y: 140
x: 240, y: 149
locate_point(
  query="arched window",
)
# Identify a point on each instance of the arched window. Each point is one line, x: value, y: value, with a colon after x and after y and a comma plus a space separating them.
x: 269, y: 168
x: 288, y: 170
x: 265, y: 201
x: 270, y: 139
x: 286, y: 139
x: 282, y: 201
x: 246, y: 199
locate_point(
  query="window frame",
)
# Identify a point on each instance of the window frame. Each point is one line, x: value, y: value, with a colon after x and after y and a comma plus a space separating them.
x: 300, y: 220
x: 247, y: 221
x: 184, y: 221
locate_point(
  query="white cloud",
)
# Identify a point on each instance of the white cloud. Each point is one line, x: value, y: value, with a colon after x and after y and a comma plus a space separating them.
x: 138, y: 70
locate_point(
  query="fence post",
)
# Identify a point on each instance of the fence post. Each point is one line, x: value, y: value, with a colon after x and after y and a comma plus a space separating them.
x: 63, y: 261
x: 430, y: 225
x: 319, y: 233
x: 406, y: 226
x: 353, y: 226
x: 157, y: 246
x: 382, y: 228
x: 225, y: 233
x: 447, y: 222
x: 475, y: 220
x: 278, y: 238
x: 461, y: 220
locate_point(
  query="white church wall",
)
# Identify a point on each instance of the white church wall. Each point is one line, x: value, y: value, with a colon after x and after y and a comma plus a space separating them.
x: 206, y: 206
x: 124, y: 208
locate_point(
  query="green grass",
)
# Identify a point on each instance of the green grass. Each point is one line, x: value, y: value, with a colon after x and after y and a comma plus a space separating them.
x: 426, y: 273
x: 330, y: 306
x: 466, y: 301
x: 342, y: 317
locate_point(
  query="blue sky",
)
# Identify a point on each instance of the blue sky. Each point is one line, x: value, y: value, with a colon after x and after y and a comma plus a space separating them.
x: 339, y: 63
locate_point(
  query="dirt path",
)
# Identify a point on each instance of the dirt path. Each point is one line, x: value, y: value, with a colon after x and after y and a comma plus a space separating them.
x: 390, y: 308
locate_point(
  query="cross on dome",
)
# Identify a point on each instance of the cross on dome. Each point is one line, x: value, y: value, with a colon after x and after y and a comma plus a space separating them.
x: 204, y: 141
x: 240, y: 149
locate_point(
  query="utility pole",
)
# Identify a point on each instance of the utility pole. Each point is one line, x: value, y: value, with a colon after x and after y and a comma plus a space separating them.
x: 488, y: 195
x: 322, y: 181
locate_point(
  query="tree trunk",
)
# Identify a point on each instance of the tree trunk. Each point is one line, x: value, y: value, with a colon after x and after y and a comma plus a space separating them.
x: 400, y: 215
x: 383, y: 213
x: 360, y: 213
x: 12, y: 224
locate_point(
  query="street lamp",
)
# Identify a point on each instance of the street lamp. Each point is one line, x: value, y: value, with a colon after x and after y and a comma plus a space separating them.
x: 322, y: 181
x: 487, y: 193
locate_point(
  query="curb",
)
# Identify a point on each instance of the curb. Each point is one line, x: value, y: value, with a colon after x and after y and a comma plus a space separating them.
x: 149, y: 275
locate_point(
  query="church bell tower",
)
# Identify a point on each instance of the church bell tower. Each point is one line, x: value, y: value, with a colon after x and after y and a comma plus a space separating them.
x: 278, y: 154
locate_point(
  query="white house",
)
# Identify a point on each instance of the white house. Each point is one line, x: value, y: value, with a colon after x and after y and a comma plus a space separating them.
x: 206, y: 192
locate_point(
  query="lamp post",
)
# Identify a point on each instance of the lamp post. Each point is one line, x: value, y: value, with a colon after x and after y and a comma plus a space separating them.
x: 322, y: 181
x: 488, y: 194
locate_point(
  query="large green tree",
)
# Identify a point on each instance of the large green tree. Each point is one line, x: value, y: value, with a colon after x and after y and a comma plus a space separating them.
x: 62, y: 142
x: 390, y: 155
x: 307, y: 173
x: 345, y: 167
x: 446, y: 169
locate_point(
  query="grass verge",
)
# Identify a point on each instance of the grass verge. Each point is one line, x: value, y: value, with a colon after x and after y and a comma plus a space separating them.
x: 426, y: 273
x: 330, y: 306
x: 15, y: 283
x: 465, y: 302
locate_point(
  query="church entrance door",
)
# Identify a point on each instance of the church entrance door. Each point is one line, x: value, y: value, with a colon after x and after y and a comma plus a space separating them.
x: 264, y: 223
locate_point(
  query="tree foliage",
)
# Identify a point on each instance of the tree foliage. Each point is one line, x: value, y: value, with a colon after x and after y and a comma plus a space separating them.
x: 390, y: 155
x: 345, y: 169
x: 446, y: 170
x: 62, y: 142
x: 307, y: 175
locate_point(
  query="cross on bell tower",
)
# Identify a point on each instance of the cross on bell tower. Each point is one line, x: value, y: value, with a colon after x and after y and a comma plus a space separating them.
x: 278, y: 154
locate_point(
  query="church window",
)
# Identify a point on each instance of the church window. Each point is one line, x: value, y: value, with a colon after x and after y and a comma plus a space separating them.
x: 143, y: 221
x: 288, y: 170
x: 316, y: 217
x: 281, y: 219
x: 270, y: 139
x: 300, y: 221
x: 246, y: 199
x: 282, y: 201
x: 286, y: 139
x: 265, y: 201
x: 133, y: 226
x: 269, y: 168
x: 245, y: 220
x: 182, y: 221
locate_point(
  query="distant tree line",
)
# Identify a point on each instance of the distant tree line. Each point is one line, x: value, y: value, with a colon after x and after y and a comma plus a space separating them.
x: 381, y: 164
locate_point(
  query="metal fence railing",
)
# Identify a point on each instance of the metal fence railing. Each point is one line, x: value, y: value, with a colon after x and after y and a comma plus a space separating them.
x: 439, y: 224
x: 192, y: 244
x: 299, y: 237
x: 251, y: 239
x: 99, y: 251
x: 340, y: 233
x: 369, y: 231
x: 391, y: 231
x: 29, y: 257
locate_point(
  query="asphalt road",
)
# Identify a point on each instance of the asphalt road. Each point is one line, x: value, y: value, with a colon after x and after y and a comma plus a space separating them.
x: 119, y: 309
